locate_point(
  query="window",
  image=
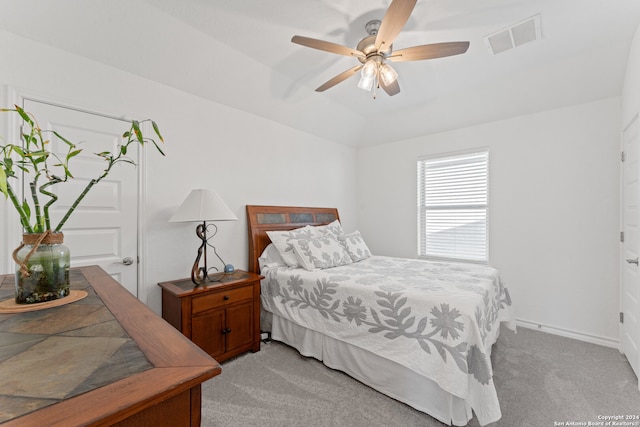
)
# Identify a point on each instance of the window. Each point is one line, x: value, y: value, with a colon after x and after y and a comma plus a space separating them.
x: 453, y: 206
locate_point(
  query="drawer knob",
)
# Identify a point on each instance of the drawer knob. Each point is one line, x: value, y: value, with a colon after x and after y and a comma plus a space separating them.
x: 226, y: 297
x: 226, y: 331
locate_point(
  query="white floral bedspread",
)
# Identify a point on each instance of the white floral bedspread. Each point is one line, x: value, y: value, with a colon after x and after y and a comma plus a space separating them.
x: 438, y: 319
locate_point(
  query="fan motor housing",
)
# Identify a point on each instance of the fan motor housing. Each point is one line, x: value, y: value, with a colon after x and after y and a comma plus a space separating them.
x: 368, y: 44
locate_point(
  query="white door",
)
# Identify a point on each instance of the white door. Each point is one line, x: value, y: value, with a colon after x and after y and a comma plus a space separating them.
x: 103, y: 229
x: 630, y: 327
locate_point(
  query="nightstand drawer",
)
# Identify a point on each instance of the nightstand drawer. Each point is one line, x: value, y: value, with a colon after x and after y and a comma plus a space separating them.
x: 222, y: 298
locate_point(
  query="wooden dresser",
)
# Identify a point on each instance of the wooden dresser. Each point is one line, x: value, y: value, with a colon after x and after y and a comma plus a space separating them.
x: 104, y: 360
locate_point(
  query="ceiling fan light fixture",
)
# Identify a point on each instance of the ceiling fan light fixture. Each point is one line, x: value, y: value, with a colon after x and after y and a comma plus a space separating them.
x: 365, y: 83
x: 375, y: 49
x: 369, y: 71
x: 370, y: 68
x: 388, y: 74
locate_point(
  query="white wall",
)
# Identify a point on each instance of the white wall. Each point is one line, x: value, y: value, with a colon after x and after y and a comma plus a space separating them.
x: 554, y: 182
x: 631, y: 88
x: 247, y: 159
x: 554, y: 210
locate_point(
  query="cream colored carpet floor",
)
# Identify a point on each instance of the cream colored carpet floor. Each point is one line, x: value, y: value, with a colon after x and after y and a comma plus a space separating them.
x: 541, y: 380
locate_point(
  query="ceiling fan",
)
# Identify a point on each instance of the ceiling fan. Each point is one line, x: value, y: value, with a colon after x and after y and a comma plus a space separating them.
x: 376, y: 49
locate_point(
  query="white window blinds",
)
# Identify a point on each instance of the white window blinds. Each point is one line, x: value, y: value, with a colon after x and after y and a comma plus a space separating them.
x: 453, y: 207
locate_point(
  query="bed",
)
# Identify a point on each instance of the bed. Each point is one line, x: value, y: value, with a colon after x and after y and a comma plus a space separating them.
x: 418, y: 331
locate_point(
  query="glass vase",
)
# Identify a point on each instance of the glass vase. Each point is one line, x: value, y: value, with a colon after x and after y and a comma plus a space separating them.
x: 42, y: 269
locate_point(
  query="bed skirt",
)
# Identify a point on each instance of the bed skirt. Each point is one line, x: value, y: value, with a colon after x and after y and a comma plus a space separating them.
x: 381, y: 374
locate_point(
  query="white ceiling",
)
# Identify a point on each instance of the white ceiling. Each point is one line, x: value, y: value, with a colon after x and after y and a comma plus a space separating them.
x: 238, y: 53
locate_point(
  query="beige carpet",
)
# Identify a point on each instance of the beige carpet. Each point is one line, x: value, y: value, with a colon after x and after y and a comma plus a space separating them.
x: 541, y: 379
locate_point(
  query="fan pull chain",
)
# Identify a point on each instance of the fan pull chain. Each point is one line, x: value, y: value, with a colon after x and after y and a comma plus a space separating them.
x: 376, y: 85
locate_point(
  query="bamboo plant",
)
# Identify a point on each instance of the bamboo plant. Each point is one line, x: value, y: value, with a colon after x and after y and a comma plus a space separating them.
x: 44, y: 169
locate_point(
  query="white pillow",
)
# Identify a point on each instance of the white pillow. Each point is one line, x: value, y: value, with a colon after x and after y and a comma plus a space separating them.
x: 355, y: 246
x: 321, y: 252
x: 282, y: 240
x: 271, y: 257
x: 333, y: 227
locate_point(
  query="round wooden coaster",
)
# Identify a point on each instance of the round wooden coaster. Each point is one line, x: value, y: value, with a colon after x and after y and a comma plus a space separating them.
x: 10, y: 306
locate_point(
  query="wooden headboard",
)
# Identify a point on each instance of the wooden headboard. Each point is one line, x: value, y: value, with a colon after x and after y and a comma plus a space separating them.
x: 261, y: 219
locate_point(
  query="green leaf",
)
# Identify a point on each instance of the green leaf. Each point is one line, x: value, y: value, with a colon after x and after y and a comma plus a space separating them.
x: 136, y: 129
x: 158, y: 148
x: 157, y: 131
x: 37, y: 153
x: 105, y: 155
x: 26, y: 208
x: 66, y: 141
x: 3, y: 183
x: 73, y: 154
x: 19, y: 151
x: 24, y: 115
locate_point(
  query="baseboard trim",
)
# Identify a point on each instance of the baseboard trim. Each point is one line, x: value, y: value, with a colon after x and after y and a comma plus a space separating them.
x: 594, y: 339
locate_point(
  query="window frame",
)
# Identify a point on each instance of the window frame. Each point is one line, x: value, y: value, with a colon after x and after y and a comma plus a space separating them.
x: 419, y: 207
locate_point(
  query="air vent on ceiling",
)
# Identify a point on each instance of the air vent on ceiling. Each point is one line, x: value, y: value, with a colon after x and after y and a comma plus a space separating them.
x: 516, y: 35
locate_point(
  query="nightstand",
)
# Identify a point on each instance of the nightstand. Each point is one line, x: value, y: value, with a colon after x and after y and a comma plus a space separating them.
x: 222, y: 318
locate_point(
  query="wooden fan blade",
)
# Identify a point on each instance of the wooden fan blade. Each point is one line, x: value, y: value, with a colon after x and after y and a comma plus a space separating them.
x: 394, y: 19
x: 429, y: 51
x: 326, y: 46
x: 392, y: 89
x: 339, y: 78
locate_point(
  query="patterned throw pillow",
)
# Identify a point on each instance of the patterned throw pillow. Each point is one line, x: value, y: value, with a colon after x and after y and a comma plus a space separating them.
x: 321, y: 252
x: 355, y: 246
x: 282, y: 240
x: 333, y: 227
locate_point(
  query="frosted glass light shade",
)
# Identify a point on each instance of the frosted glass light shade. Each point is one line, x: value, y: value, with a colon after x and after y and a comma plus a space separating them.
x: 203, y: 205
x: 369, y: 69
x: 388, y: 74
x: 365, y: 83
x: 368, y: 75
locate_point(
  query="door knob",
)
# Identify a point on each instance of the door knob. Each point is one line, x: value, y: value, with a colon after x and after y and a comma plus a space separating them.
x: 633, y: 261
x: 127, y: 261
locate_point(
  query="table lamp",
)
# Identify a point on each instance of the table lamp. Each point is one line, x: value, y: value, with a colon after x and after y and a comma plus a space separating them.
x: 202, y: 206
